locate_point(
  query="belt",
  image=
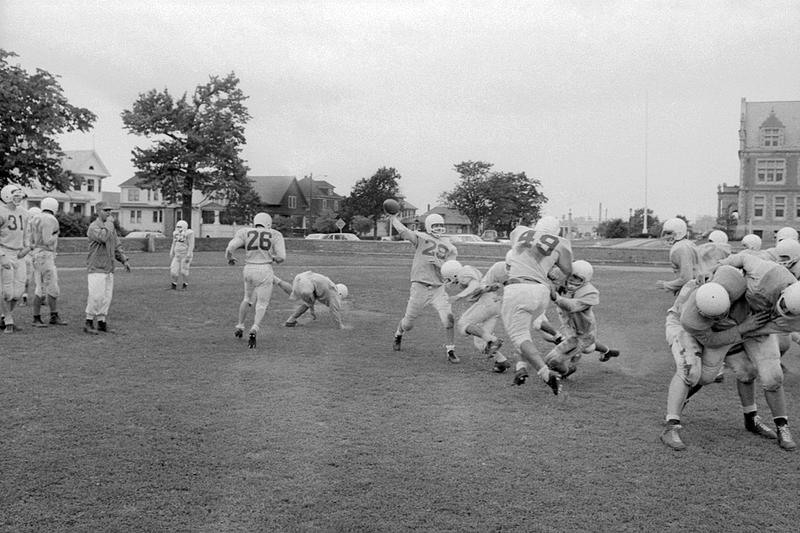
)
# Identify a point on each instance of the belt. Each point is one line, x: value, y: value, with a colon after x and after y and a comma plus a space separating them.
x: 513, y: 281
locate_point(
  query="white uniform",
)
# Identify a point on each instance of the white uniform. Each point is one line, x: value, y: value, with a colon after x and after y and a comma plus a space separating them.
x: 14, y: 236
x: 310, y: 287
x: 181, y: 252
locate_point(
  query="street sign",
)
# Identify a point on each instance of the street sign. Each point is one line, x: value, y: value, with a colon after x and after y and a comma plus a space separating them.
x: 340, y: 224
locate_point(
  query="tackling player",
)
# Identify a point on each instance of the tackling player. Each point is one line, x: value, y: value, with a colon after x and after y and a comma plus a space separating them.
x: 14, y: 246
x: 310, y: 287
x: 713, y: 251
x: 682, y: 255
x: 534, y: 251
x: 263, y: 246
x: 751, y: 242
x: 431, y: 250
x: 181, y: 253
x: 44, y: 240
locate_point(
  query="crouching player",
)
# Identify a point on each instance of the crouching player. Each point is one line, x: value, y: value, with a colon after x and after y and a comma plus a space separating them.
x: 310, y: 287
x: 574, y: 301
x: 480, y: 319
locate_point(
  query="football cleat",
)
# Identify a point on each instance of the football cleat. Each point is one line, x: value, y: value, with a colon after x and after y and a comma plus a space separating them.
x: 397, y: 340
x: 185, y: 286
x: 290, y: 323
x: 251, y: 340
x: 56, y: 320
x: 671, y: 438
x: 37, y: 323
x: 501, y: 367
x: 492, y: 347
x: 571, y: 370
x: 9, y: 328
x: 608, y: 355
x: 238, y: 332
x: 785, y: 439
x: 554, y: 382
x: 520, y: 376
x: 25, y: 298
x: 719, y: 378
x: 452, y: 357
x: 760, y: 428
x: 102, y: 327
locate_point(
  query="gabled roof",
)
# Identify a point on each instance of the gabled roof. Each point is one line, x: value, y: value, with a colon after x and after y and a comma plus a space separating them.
x: 772, y: 121
x: 450, y: 216
x: 317, y: 186
x: 130, y: 182
x: 272, y: 189
x: 84, y: 162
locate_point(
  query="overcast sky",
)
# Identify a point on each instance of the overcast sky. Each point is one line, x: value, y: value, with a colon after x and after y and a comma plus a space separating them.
x: 612, y: 103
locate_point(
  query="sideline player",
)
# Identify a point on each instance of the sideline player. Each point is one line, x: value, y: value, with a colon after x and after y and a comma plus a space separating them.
x: 682, y: 255
x: 32, y: 282
x: 431, y: 250
x: 311, y: 287
x: 181, y: 253
x: 44, y: 240
x: 534, y: 251
x: 14, y: 246
x: 263, y: 246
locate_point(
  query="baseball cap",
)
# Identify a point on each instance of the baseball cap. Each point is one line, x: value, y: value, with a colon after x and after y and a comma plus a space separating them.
x: 102, y: 206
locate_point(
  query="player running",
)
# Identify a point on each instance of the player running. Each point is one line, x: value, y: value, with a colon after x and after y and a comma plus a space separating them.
x: 534, y: 251
x: 431, y: 250
x: 181, y: 253
x: 14, y: 246
x: 263, y: 246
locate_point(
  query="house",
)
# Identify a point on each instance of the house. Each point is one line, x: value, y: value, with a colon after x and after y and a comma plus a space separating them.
x: 768, y: 195
x: 407, y: 213
x: 321, y: 197
x: 142, y: 209
x: 454, y: 221
x: 86, y: 188
x: 283, y: 196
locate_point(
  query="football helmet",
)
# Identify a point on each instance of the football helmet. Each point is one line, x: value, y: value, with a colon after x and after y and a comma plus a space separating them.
x: 434, y: 224
x: 751, y: 242
x: 788, y: 304
x: 548, y: 224
x: 718, y: 236
x: 732, y: 280
x: 50, y: 204
x: 674, y: 229
x: 34, y: 211
x: 582, y: 272
x: 263, y: 219
x: 450, y: 270
x: 341, y: 288
x: 712, y: 300
x: 12, y: 194
x: 182, y: 225
x: 788, y: 252
x: 786, y: 233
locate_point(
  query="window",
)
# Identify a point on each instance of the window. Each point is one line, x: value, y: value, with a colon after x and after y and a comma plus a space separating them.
x: 226, y: 218
x: 208, y: 217
x: 770, y: 170
x: 158, y: 216
x: 292, y: 202
x: 758, y: 206
x: 336, y: 205
x: 797, y: 207
x: 90, y: 184
x: 133, y: 195
x: 780, y: 207
x: 76, y: 183
x: 324, y: 203
x: 155, y: 195
x: 771, y: 136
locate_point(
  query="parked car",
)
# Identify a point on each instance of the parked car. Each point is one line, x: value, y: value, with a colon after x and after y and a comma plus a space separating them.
x: 463, y: 237
x: 145, y: 235
x: 341, y: 237
x: 490, y: 235
x: 315, y: 236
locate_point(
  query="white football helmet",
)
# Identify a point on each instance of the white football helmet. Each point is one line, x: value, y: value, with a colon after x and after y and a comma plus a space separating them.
x: 712, y: 300
x: 50, y: 204
x: 182, y: 225
x: 263, y: 219
x: 751, y: 242
x: 12, y: 194
x: 34, y: 211
x: 732, y: 280
x: 450, y: 270
x: 674, y: 229
x: 434, y: 224
x: 582, y: 273
x: 341, y: 288
x: 718, y: 236
x: 786, y: 233
x: 788, y: 304
x: 549, y: 225
x: 788, y: 252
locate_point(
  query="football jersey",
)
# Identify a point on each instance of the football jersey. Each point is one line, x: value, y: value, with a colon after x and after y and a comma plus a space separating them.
x: 312, y: 285
x: 575, y: 308
x: 497, y: 274
x: 260, y: 245
x: 13, y: 227
x: 713, y: 332
x: 534, y: 253
x: 711, y: 253
x: 182, y: 241
x: 468, y: 274
x: 683, y: 258
x: 44, y: 232
x: 430, y: 253
x: 765, y: 280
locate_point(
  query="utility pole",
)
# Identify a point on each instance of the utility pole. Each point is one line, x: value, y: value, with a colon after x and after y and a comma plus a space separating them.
x: 644, y: 217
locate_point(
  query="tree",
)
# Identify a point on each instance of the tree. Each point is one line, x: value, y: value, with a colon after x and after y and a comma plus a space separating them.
x: 196, y: 143
x: 34, y: 111
x: 325, y: 223
x: 615, y: 228
x: 366, y: 198
x: 495, y: 200
x: 653, y: 224
x: 361, y: 225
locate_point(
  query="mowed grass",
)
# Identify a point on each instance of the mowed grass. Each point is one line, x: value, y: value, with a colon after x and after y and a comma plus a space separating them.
x: 172, y: 424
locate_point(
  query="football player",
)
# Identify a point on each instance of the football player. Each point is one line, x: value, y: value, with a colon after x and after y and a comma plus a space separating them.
x: 181, y: 253
x: 713, y: 251
x: 310, y: 287
x: 682, y: 255
x: 44, y: 239
x: 479, y: 320
x: 14, y: 246
x: 751, y: 242
x: 574, y: 302
x: 431, y: 250
x: 263, y: 246
x: 32, y: 285
x: 534, y: 251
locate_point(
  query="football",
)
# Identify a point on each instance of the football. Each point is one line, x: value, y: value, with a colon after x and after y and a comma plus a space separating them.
x: 391, y: 206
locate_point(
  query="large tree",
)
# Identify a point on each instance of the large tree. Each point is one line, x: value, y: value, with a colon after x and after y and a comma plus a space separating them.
x: 196, y: 143
x: 34, y: 112
x: 366, y: 198
x: 495, y: 200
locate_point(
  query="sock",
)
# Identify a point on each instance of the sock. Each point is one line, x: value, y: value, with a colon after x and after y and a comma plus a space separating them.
x: 499, y: 358
x: 673, y: 421
x: 749, y: 419
x: 520, y: 366
x: 781, y: 421
x: 544, y: 373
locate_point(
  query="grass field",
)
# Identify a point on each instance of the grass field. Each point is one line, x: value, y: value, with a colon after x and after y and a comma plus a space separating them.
x: 172, y: 424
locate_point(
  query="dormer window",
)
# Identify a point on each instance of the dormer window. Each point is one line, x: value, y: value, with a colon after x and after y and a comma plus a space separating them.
x: 771, y: 132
